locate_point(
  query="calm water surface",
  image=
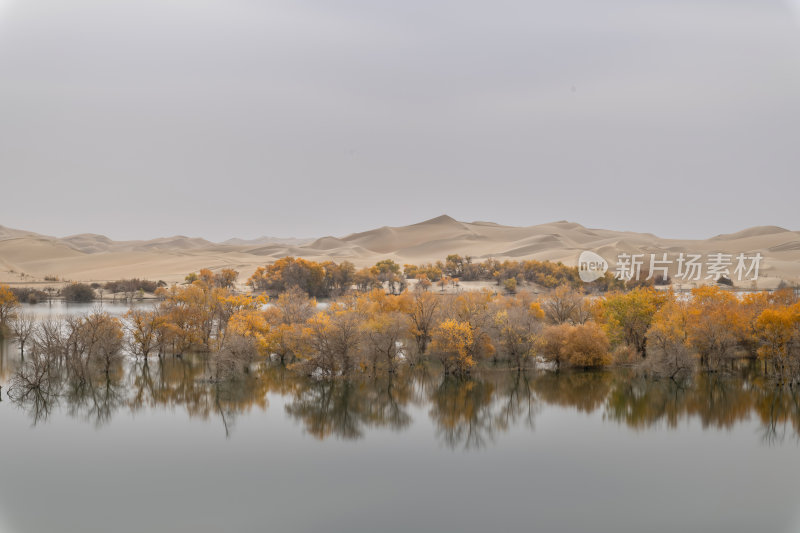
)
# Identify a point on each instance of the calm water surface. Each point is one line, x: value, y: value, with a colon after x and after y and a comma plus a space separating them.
x: 61, y: 308
x: 160, y: 448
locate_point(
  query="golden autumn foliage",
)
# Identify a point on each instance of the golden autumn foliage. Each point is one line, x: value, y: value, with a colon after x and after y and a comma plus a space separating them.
x: 286, y: 341
x: 626, y: 316
x: 329, y: 279
x: 475, y: 308
x: 779, y: 332
x: 453, y: 342
x: 669, y: 353
x: 715, y: 325
x: 384, y: 325
x: 224, y: 279
x: 385, y: 334
x: 144, y: 328
x: 288, y: 272
x: 332, y: 340
x: 752, y: 305
x: 251, y: 323
x: 315, y: 279
x: 582, y: 345
x: 196, y: 316
x: 587, y: 346
x: 8, y: 307
x: 669, y: 325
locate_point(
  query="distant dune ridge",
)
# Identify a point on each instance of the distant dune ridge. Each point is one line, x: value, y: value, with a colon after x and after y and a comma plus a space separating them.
x: 27, y: 257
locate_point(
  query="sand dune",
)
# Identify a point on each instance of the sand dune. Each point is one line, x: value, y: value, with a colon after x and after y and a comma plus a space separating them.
x: 757, y: 231
x: 27, y: 257
x: 267, y: 240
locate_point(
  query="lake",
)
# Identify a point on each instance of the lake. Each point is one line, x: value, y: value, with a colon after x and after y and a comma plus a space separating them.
x: 158, y: 447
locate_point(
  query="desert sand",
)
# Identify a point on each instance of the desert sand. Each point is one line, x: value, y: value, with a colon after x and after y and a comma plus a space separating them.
x: 27, y: 258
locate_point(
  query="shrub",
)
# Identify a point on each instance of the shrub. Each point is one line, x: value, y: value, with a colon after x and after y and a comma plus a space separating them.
x: 584, y: 345
x: 624, y: 354
x: 588, y: 346
x: 510, y: 285
x: 286, y: 272
x: 27, y: 295
x: 131, y: 285
x: 78, y: 292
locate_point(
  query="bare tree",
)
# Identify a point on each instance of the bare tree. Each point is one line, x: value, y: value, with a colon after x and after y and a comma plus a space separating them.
x: 37, y: 377
x: 22, y: 327
x: 423, y: 314
x: 101, y: 337
x: 674, y: 361
x: 294, y: 306
x: 234, y: 357
x: 565, y: 305
x: 49, y: 338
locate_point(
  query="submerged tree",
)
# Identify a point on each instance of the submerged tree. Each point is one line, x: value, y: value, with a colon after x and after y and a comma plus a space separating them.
x: 779, y: 332
x: 627, y: 316
x: 518, y: 327
x: 23, y: 327
x: 453, y: 342
x: 716, y: 325
x: 669, y: 352
x: 584, y: 345
x: 8, y: 308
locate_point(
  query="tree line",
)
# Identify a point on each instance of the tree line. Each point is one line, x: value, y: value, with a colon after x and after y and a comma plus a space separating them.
x: 375, y: 332
x: 331, y: 279
x: 377, y: 326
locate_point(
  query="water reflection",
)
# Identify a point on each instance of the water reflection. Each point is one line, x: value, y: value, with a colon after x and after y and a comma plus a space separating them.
x: 4, y: 367
x: 584, y: 391
x: 172, y: 382
x: 462, y: 410
x: 718, y: 402
x: 466, y: 413
x: 347, y: 408
x: 779, y: 412
x: 96, y: 399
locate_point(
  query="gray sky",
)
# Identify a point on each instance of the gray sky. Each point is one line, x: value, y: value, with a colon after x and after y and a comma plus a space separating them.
x: 223, y: 118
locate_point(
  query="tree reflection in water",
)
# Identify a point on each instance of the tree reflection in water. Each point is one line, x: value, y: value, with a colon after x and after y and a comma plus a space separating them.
x: 466, y: 413
x: 97, y: 398
x: 584, y: 391
x: 186, y: 382
x: 462, y: 411
x: 345, y: 408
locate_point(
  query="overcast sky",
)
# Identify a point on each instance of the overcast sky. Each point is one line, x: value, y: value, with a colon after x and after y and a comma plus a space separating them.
x: 221, y: 118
